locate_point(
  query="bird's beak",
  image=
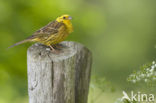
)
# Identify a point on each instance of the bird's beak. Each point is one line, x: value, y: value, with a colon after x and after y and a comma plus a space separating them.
x: 69, y: 17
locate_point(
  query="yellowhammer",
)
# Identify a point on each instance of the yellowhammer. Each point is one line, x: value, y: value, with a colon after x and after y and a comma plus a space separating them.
x: 53, y: 33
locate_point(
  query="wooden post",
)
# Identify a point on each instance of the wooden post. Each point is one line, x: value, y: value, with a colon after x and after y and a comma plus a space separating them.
x: 58, y: 78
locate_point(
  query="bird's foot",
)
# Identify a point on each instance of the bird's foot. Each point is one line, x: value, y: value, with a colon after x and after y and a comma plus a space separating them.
x: 54, y: 50
x: 58, y: 46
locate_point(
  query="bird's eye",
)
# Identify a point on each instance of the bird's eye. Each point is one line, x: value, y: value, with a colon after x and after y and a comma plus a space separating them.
x: 64, y: 17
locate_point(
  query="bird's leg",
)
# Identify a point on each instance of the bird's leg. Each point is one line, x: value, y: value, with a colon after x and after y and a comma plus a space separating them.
x: 58, y: 46
x: 52, y: 48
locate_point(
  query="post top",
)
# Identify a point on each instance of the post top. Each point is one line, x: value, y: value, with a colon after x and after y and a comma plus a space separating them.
x: 67, y: 49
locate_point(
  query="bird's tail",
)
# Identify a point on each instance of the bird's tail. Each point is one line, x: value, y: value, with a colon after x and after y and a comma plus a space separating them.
x: 18, y: 43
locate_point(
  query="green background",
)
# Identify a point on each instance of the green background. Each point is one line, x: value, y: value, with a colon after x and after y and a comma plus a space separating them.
x: 120, y: 34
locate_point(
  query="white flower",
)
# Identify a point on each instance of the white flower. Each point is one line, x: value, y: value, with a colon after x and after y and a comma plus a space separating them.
x: 138, y: 79
x: 151, y: 70
x: 148, y: 75
x: 146, y: 80
x: 152, y: 67
x: 153, y: 62
x: 134, y: 81
x: 147, y: 69
x: 132, y: 75
x: 142, y: 75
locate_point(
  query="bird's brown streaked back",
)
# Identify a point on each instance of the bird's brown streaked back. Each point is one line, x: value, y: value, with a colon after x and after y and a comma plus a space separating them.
x: 49, y: 29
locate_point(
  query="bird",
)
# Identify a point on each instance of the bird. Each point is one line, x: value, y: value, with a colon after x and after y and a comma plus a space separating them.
x: 53, y: 33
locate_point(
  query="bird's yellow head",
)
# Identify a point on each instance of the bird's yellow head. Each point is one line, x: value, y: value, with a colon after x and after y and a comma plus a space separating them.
x: 66, y: 20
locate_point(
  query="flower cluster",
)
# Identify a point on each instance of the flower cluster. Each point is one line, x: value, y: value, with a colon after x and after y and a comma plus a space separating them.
x: 147, y: 73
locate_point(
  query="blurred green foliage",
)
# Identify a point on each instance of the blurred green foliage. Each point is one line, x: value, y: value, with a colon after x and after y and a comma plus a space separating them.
x: 120, y: 34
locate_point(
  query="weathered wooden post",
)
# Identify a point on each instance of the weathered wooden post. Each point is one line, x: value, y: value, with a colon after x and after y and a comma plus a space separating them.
x: 58, y: 78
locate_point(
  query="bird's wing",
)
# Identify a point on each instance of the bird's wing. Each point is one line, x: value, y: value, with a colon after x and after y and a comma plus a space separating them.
x: 50, y: 29
x: 42, y: 34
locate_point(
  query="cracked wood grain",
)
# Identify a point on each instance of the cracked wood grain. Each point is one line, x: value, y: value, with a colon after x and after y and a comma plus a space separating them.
x: 58, y: 78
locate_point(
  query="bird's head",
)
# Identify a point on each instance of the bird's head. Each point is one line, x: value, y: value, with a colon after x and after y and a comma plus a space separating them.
x: 64, y: 18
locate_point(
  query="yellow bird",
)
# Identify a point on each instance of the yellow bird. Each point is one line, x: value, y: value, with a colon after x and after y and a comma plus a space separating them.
x: 53, y: 33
